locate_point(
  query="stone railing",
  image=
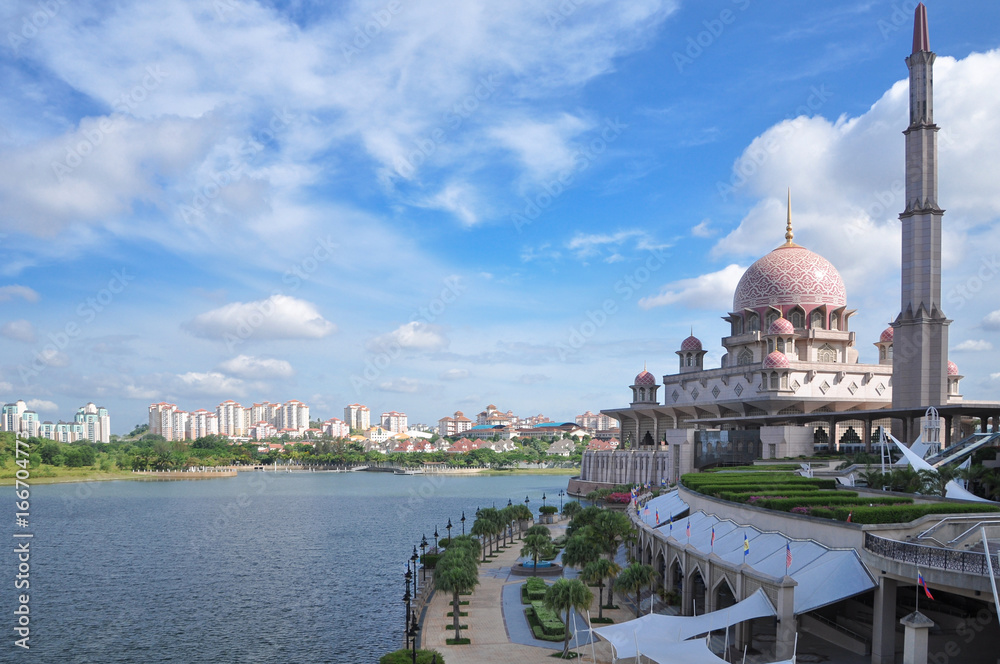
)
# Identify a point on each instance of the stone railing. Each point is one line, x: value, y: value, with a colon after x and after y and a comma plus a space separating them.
x: 967, y: 562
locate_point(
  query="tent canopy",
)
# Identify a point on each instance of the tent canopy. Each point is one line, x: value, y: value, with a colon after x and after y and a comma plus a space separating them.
x: 654, y: 633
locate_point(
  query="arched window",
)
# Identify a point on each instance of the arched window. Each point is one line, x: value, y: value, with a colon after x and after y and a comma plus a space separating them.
x: 784, y: 381
x: 881, y: 353
x: 781, y: 345
x: 827, y: 354
x: 890, y: 351
x: 770, y: 345
x: 642, y: 394
x: 689, y: 359
x: 771, y: 317
x: 745, y: 357
x: 834, y: 323
x: 797, y: 318
x: 737, y: 326
x: 816, y: 320
x: 753, y: 323
x: 774, y: 380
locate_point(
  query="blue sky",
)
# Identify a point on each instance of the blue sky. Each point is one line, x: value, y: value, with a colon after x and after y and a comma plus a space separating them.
x: 429, y: 206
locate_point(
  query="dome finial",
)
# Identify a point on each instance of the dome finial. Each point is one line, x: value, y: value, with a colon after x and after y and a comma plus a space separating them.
x: 788, y: 225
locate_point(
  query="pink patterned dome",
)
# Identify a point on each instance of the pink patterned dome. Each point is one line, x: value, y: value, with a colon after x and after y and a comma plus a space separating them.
x: 952, y: 368
x: 886, y: 336
x: 787, y: 276
x: 776, y: 360
x: 691, y: 343
x: 645, y: 379
x: 781, y: 326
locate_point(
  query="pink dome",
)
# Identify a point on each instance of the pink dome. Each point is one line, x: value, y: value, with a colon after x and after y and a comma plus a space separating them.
x: 886, y: 336
x: 952, y: 368
x: 776, y: 360
x: 645, y: 379
x: 691, y: 343
x: 781, y: 326
x: 787, y: 276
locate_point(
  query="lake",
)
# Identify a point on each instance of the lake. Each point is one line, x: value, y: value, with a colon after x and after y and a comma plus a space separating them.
x: 264, y: 567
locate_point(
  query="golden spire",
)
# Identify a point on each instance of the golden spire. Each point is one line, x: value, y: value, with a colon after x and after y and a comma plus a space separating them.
x: 788, y: 225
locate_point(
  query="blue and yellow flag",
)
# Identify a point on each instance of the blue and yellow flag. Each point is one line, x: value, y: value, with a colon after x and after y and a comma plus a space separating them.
x: 746, y: 546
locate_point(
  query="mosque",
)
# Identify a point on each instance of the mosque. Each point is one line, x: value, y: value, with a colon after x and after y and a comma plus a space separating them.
x: 790, y: 383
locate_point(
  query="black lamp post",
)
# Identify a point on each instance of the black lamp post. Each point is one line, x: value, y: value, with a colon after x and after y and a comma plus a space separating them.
x: 463, y: 522
x: 543, y: 500
x: 436, y: 539
x: 414, y: 558
x: 448, y: 528
x: 561, y: 494
x: 423, y: 559
x: 406, y: 598
x: 414, y: 628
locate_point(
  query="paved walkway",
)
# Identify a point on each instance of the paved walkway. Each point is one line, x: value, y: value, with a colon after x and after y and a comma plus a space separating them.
x: 488, y: 631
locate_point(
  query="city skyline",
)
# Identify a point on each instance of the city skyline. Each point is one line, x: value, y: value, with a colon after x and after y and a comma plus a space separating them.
x: 525, y: 216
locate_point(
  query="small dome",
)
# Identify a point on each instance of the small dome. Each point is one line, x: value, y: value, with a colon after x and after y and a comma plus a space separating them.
x: 886, y: 336
x: 645, y: 379
x: 776, y: 360
x: 952, y: 368
x: 691, y: 343
x: 781, y: 326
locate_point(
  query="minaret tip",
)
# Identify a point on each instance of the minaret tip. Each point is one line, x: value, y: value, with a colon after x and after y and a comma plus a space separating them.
x: 921, y: 39
x: 789, y: 235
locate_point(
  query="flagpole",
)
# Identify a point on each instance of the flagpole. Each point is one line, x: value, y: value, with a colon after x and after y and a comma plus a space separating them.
x: 917, y: 610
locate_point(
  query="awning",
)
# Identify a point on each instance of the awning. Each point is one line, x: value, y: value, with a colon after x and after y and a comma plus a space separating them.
x: 652, y: 633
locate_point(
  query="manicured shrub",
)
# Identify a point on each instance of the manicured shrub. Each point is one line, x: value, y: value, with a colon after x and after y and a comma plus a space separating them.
x: 405, y: 656
x: 429, y: 560
x: 905, y: 513
x: 533, y: 590
x: 549, y: 621
x: 548, y: 509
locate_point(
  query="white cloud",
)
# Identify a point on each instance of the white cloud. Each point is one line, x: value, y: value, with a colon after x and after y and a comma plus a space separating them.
x: 585, y: 245
x: 532, y: 379
x: 543, y: 148
x: 416, y: 334
x: 459, y: 199
x: 703, y: 229
x: 19, y: 330
x: 454, y: 374
x: 42, y: 405
x: 974, y: 345
x: 709, y: 291
x: 248, y: 366
x: 8, y: 293
x: 211, y: 383
x: 402, y: 385
x: 992, y: 321
x: 277, y: 317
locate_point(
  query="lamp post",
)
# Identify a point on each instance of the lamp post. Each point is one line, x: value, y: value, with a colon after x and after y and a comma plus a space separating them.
x: 414, y: 558
x: 436, y: 540
x: 448, y: 528
x: 423, y: 559
x: 406, y: 598
x: 414, y: 628
x: 463, y: 522
x: 543, y: 499
x: 561, y: 494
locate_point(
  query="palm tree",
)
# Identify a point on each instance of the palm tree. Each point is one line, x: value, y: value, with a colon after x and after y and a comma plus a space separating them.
x: 634, y: 578
x: 581, y: 548
x: 990, y: 481
x: 566, y: 595
x: 595, y: 572
x: 936, y: 480
x: 480, y: 528
x: 535, y: 546
x: 456, y: 573
x: 571, y: 509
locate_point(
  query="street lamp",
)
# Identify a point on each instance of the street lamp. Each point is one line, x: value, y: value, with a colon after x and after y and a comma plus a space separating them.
x: 414, y: 628
x: 436, y: 539
x: 448, y: 528
x: 423, y: 559
x: 463, y: 522
x: 406, y: 598
x: 561, y: 494
x: 543, y: 499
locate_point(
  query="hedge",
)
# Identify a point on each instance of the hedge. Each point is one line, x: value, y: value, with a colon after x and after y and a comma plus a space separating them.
x: 547, y: 619
x: 785, y: 504
x: 905, y: 513
x: 743, y: 496
x: 548, y: 509
x: 429, y: 560
x: 772, y: 468
x: 533, y: 590
x: 405, y: 656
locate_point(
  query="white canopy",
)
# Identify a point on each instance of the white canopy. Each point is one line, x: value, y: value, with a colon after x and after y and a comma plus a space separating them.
x: 653, y: 633
x: 954, y: 490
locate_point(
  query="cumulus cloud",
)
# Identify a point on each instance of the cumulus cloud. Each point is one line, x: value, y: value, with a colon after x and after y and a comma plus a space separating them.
x: 703, y: 229
x: 211, y: 383
x: 416, y: 335
x: 709, y: 291
x: 532, y: 379
x: 42, y: 405
x: 974, y: 345
x: 248, y: 366
x: 992, y: 321
x: 8, y: 293
x: 454, y: 374
x: 19, y: 330
x: 277, y: 317
x: 403, y: 385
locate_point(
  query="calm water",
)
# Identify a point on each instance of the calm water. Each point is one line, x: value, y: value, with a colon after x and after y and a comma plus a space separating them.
x: 299, y: 567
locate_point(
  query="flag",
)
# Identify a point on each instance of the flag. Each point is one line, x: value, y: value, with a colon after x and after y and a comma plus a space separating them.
x: 788, y: 555
x: 746, y: 546
x: 921, y: 582
x: 713, y: 536
x: 849, y: 515
x: 646, y: 510
x: 657, y: 517
x: 689, y: 529
x: 671, y: 524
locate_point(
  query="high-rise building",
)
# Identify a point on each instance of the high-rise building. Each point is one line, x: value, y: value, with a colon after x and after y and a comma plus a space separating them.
x: 454, y: 426
x: 394, y: 422
x: 357, y: 416
x: 231, y: 418
x: 96, y: 423
x: 294, y: 415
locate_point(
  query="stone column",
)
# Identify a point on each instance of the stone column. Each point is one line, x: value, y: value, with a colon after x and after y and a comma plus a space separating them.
x: 884, y: 618
x: 915, y: 638
x: 867, y: 436
x: 687, y: 589
x: 784, y: 644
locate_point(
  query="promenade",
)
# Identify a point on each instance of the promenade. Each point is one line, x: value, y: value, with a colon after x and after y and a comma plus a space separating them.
x: 488, y: 631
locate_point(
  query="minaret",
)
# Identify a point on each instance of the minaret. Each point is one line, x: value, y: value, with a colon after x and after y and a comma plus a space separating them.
x: 920, y: 343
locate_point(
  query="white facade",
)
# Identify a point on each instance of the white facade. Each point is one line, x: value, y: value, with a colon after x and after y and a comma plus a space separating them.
x: 394, y: 421
x: 357, y: 416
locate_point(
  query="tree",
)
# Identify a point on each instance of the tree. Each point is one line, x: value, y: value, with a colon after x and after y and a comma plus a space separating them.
x: 597, y: 571
x: 936, y: 480
x: 536, y: 545
x: 456, y: 573
x: 634, y: 578
x: 581, y: 549
x: 565, y: 595
x: 571, y: 509
x: 480, y: 528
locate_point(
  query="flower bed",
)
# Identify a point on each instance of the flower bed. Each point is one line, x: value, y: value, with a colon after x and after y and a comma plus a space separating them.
x: 619, y: 498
